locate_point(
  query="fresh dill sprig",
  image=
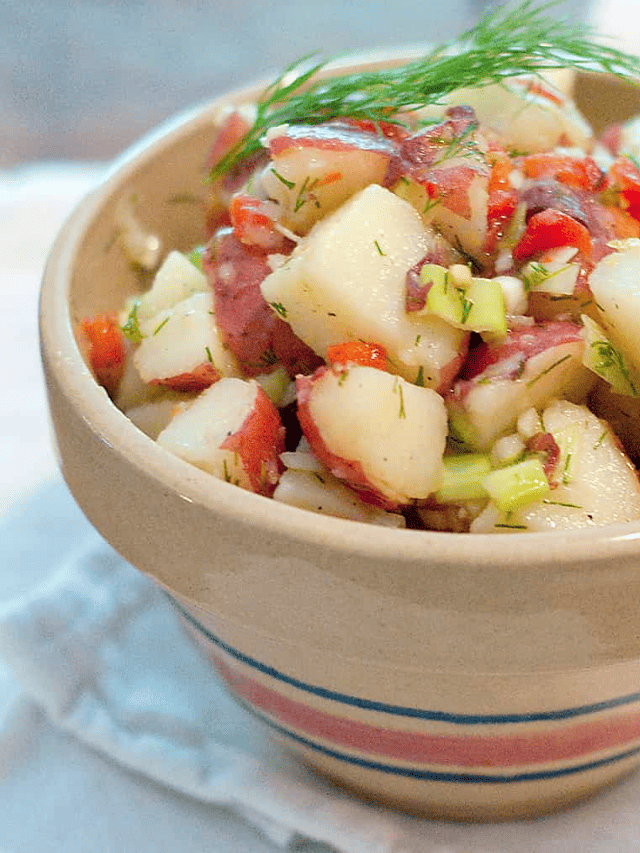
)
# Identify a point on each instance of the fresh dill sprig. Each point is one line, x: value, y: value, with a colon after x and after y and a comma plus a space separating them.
x: 510, y: 41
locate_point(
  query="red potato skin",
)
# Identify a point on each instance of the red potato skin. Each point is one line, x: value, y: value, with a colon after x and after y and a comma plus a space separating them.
x: 230, y: 133
x: 254, y: 334
x: 195, y: 380
x: 525, y: 340
x: 334, y: 136
x: 259, y: 443
x: 350, y: 472
x: 420, y: 157
x: 544, y: 444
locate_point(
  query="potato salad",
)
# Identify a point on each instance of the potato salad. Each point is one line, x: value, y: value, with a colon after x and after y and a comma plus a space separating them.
x: 428, y: 322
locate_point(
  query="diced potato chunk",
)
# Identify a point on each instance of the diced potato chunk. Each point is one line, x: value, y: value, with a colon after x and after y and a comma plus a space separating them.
x: 389, y: 437
x: 596, y: 483
x: 615, y: 284
x: 346, y: 281
x: 176, y: 280
x: 180, y: 339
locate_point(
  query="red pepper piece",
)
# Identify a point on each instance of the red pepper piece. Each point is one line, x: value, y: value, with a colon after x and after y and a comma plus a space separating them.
x: 551, y: 229
x: 581, y: 173
x: 358, y: 352
x: 624, y: 177
x: 105, y: 349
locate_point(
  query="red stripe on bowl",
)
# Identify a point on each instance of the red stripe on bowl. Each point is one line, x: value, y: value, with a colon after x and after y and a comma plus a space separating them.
x: 539, y: 745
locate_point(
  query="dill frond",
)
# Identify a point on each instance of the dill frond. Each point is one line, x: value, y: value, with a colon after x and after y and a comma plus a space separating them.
x: 510, y: 41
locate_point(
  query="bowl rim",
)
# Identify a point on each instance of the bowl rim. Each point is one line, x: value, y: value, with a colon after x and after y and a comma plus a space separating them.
x: 584, y: 546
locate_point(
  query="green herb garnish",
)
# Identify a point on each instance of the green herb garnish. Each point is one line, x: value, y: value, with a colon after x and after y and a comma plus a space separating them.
x: 131, y: 328
x: 507, y: 42
x: 279, y: 308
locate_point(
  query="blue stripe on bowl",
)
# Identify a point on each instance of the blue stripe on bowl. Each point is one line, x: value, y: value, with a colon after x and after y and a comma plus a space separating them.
x: 400, y: 710
x: 465, y: 778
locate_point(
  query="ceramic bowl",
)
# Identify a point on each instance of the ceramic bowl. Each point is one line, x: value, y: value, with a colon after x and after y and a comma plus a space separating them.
x: 468, y: 677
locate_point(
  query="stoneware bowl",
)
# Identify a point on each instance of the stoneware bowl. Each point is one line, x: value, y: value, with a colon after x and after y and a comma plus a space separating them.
x: 469, y: 677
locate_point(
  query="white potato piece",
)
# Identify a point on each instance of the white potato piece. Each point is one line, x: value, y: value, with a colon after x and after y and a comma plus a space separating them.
x: 321, y: 492
x: 152, y: 417
x: 530, y: 115
x: 309, y: 183
x: 615, y: 284
x: 176, y: 280
x: 346, y: 281
x: 491, y: 406
x: 231, y: 430
x: 597, y: 484
x: 183, y: 347
x: 380, y: 434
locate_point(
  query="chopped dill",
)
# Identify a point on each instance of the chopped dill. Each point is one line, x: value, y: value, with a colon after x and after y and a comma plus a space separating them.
x: 279, y: 308
x: 289, y: 184
x: 161, y: 325
x: 548, y: 369
x: 131, y: 328
x: 610, y: 358
x: 602, y: 437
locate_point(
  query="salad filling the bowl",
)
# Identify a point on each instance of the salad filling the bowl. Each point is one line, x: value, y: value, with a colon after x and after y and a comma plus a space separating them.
x: 417, y: 297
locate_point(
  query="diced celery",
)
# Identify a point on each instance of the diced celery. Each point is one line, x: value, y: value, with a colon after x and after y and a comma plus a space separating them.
x: 479, y: 306
x: 274, y: 384
x: 462, y: 477
x: 488, y: 310
x: 517, y: 485
x: 416, y: 195
x: 195, y: 256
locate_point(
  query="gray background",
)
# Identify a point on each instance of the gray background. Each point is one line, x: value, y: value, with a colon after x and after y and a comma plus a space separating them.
x: 84, y: 79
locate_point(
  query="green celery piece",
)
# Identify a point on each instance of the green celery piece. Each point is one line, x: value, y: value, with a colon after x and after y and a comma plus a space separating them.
x: 442, y: 299
x: 195, y: 256
x: 480, y: 307
x: 488, y: 311
x: 462, y: 478
x: 517, y: 485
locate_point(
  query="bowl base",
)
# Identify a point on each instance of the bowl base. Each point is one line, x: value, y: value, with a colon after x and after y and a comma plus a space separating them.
x: 466, y: 803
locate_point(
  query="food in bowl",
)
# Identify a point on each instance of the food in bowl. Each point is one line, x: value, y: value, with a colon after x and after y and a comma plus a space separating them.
x: 403, y: 320
x: 470, y: 677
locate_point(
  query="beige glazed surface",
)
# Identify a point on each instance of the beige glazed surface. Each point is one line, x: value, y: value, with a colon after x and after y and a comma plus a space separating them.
x: 474, y: 677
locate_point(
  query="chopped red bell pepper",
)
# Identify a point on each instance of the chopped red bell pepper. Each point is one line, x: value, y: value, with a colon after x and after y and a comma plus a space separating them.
x: 105, y: 349
x: 624, y: 178
x: 551, y: 229
x: 358, y: 352
x: 581, y: 173
x: 503, y: 199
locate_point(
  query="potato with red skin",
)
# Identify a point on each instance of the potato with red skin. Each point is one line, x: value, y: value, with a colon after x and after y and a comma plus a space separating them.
x: 256, y: 336
x: 181, y: 348
x: 388, y: 441
x: 531, y: 366
x: 316, y: 168
x: 346, y: 281
x: 231, y: 430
